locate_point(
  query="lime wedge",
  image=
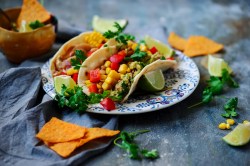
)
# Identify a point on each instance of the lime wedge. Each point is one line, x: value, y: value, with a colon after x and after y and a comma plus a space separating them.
x: 152, y: 81
x: 161, y: 47
x: 215, y: 66
x: 63, y: 79
x: 239, y: 136
x: 102, y: 25
x: 25, y: 27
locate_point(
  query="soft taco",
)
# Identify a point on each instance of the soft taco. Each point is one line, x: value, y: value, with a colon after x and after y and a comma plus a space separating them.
x: 117, y: 68
x: 84, y: 44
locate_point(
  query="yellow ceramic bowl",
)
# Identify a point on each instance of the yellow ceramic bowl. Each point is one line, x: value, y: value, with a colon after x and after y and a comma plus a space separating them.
x: 19, y: 46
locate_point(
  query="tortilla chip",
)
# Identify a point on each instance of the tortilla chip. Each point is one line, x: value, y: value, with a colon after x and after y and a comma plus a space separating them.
x: 64, y: 149
x: 176, y: 41
x: 200, y: 45
x: 94, y: 133
x: 59, y: 131
x: 32, y: 10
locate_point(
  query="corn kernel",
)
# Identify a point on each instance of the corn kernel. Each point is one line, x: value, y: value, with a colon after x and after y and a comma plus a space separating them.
x: 108, y: 69
x: 128, y: 70
x: 71, y: 71
x: 103, y: 77
x: 88, y: 83
x: 98, y: 86
x: 230, y: 121
x: 228, y: 126
x: 222, y: 126
x: 114, y: 74
x: 134, y: 46
x: 245, y: 122
x: 143, y: 48
x: 149, y: 53
x: 106, y: 86
x: 110, y: 80
x: 123, y: 68
x: 107, y: 64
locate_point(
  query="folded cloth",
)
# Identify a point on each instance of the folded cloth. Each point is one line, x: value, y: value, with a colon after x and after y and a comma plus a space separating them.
x: 25, y: 108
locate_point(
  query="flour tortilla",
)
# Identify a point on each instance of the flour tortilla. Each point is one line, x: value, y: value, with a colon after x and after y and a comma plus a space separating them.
x: 103, y: 54
x: 65, y: 47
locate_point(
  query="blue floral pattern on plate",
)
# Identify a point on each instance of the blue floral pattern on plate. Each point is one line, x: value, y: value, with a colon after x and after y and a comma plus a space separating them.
x: 181, y: 81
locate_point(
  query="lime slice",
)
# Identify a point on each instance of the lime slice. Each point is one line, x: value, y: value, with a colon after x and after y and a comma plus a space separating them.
x: 152, y: 81
x: 215, y: 66
x: 102, y: 25
x: 163, y: 49
x: 63, y: 79
x: 239, y: 136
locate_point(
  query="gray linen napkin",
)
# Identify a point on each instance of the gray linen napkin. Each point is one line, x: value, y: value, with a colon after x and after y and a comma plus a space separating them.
x: 25, y: 108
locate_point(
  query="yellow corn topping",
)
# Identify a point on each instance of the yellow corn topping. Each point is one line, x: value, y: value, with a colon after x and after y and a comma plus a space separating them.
x: 222, y: 126
x: 71, y: 71
x: 107, y: 64
x: 230, y: 121
x: 123, y: 69
x: 95, y: 39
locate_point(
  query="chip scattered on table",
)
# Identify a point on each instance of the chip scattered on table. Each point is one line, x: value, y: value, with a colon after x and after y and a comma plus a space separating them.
x: 59, y: 131
x: 53, y: 131
x: 176, y: 41
x: 31, y: 11
x: 200, y: 45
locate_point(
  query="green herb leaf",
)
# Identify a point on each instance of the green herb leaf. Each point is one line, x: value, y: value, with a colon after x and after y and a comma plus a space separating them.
x: 215, y: 85
x: 153, y: 154
x: 230, y: 108
x: 77, y: 100
x: 80, y: 58
x: 226, y: 78
x: 36, y: 24
x: 207, y: 95
x: 118, y: 35
x: 128, y: 143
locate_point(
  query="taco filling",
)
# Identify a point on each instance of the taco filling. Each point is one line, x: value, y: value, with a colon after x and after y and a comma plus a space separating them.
x: 68, y: 59
x: 120, y: 68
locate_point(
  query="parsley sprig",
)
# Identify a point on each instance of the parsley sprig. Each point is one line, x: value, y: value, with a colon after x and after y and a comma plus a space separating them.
x: 215, y: 86
x: 138, y: 55
x: 76, y: 99
x: 80, y: 58
x: 36, y: 24
x: 230, y: 108
x: 128, y: 143
x: 118, y: 35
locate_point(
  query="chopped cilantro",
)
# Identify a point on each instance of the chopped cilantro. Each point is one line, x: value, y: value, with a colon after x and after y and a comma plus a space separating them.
x: 36, y: 24
x: 80, y: 58
x: 230, y: 108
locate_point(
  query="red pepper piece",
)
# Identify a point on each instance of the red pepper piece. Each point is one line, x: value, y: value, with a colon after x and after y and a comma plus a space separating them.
x: 93, y: 88
x: 75, y: 77
x: 94, y: 76
x: 171, y: 58
x: 114, y: 66
x: 116, y: 58
x: 122, y: 53
x: 108, y: 104
x: 89, y: 53
x: 153, y: 50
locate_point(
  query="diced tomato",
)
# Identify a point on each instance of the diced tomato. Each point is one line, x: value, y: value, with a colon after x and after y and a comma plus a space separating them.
x: 114, y: 66
x: 93, y: 88
x: 89, y: 53
x: 108, y: 104
x: 94, y: 76
x: 122, y: 53
x: 117, y: 58
x: 153, y: 50
x: 100, y: 45
x: 62, y: 73
x: 74, y: 77
x: 171, y: 58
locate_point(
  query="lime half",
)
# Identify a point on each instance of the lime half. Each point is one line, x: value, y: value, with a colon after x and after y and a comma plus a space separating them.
x: 239, y: 136
x: 215, y: 66
x: 152, y: 81
x: 102, y: 25
x: 63, y: 79
x: 161, y: 47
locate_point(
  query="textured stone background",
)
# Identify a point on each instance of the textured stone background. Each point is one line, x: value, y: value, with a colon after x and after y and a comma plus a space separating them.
x: 182, y: 136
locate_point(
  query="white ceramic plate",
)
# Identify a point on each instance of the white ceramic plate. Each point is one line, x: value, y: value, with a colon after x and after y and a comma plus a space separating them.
x: 180, y: 82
